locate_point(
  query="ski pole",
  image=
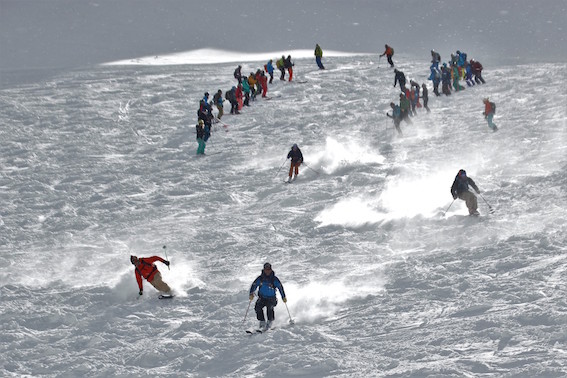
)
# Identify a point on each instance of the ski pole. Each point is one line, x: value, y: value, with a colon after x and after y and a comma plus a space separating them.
x: 311, y: 168
x: 448, y: 207
x: 490, y: 209
x: 165, y: 251
x: 290, y: 319
x: 245, y: 315
x: 280, y: 168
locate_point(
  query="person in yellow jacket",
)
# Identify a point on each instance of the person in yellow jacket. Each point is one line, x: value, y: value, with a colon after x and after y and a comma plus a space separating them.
x: 252, y: 83
x: 318, y: 56
x: 280, y: 66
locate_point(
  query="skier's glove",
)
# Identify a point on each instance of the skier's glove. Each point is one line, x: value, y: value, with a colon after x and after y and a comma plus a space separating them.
x: 454, y: 197
x: 284, y: 300
x: 251, y: 297
x: 141, y: 292
x: 166, y: 263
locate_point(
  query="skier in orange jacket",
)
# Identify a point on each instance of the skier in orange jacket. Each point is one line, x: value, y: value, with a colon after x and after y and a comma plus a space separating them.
x: 146, y: 268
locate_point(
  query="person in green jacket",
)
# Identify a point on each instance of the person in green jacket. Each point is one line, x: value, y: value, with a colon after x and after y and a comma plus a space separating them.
x: 318, y: 56
x: 280, y: 66
x: 405, y: 108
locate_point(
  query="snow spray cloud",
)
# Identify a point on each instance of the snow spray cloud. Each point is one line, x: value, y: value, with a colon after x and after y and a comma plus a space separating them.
x: 335, y: 154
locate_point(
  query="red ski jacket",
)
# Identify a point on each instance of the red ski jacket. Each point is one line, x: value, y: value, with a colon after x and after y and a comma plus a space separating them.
x: 147, y: 269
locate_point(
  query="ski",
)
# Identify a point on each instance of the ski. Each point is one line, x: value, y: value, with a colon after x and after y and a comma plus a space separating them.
x: 258, y: 331
x: 166, y: 296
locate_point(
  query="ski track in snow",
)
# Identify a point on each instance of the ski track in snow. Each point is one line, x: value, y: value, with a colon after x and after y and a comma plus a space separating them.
x: 99, y: 164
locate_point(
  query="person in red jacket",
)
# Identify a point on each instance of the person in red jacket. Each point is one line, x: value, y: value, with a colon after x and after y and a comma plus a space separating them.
x: 389, y: 52
x: 264, y: 84
x: 146, y: 268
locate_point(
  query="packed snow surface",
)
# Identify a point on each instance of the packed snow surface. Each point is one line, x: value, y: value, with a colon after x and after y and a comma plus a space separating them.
x: 384, y: 275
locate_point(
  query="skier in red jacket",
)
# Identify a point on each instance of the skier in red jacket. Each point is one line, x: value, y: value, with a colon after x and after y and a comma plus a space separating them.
x: 146, y: 268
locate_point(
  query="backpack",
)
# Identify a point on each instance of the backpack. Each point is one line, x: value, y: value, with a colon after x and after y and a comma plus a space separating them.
x: 493, y: 106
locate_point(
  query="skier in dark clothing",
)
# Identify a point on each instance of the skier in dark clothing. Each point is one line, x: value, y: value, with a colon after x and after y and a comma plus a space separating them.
x: 230, y: 95
x: 400, y: 78
x: 476, y: 69
x: 205, y: 113
x: 289, y: 66
x: 238, y: 74
x: 435, y: 57
x: 425, y: 96
x: 266, y: 283
x: 460, y: 189
x: 296, y: 160
x: 200, y: 137
x: 445, y: 80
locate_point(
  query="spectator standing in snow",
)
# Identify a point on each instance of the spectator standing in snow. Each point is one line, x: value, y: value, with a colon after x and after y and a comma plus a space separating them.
x: 460, y: 189
x: 230, y: 95
x: 296, y: 159
x: 389, y: 52
x: 405, y: 108
x: 238, y: 74
x: 218, y: 101
x: 400, y: 78
x: 435, y: 58
x: 270, y: 70
x: 289, y: 66
x: 476, y: 68
x: 318, y: 56
x: 489, y: 111
x: 425, y: 96
x: 200, y: 135
x: 280, y: 66
x: 266, y: 283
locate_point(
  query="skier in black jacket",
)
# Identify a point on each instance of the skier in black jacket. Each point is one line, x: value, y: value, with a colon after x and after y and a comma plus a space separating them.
x: 296, y: 160
x: 460, y: 189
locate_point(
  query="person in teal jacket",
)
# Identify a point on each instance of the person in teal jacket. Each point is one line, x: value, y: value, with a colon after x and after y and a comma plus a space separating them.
x: 266, y: 283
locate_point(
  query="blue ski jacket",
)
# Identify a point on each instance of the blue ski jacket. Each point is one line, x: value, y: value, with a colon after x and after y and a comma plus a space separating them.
x: 267, y: 286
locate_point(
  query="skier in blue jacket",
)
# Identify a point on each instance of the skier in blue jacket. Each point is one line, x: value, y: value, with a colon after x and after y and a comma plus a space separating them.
x: 267, y: 283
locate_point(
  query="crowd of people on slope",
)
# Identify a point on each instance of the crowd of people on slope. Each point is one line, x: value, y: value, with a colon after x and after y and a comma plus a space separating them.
x: 246, y: 89
x: 448, y: 75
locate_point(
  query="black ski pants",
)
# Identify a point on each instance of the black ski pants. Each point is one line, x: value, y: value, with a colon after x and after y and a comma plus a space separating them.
x: 269, y: 303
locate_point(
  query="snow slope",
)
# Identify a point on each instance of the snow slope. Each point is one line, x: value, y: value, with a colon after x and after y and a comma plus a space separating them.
x: 99, y: 163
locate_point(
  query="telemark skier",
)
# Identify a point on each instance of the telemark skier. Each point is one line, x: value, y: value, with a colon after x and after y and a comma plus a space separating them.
x: 266, y: 283
x: 145, y: 268
x: 460, y: 189
x: 296, y: 159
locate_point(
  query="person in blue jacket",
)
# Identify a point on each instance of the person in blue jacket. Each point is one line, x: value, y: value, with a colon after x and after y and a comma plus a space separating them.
x: 266, y: 283
x: 270, y: 69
